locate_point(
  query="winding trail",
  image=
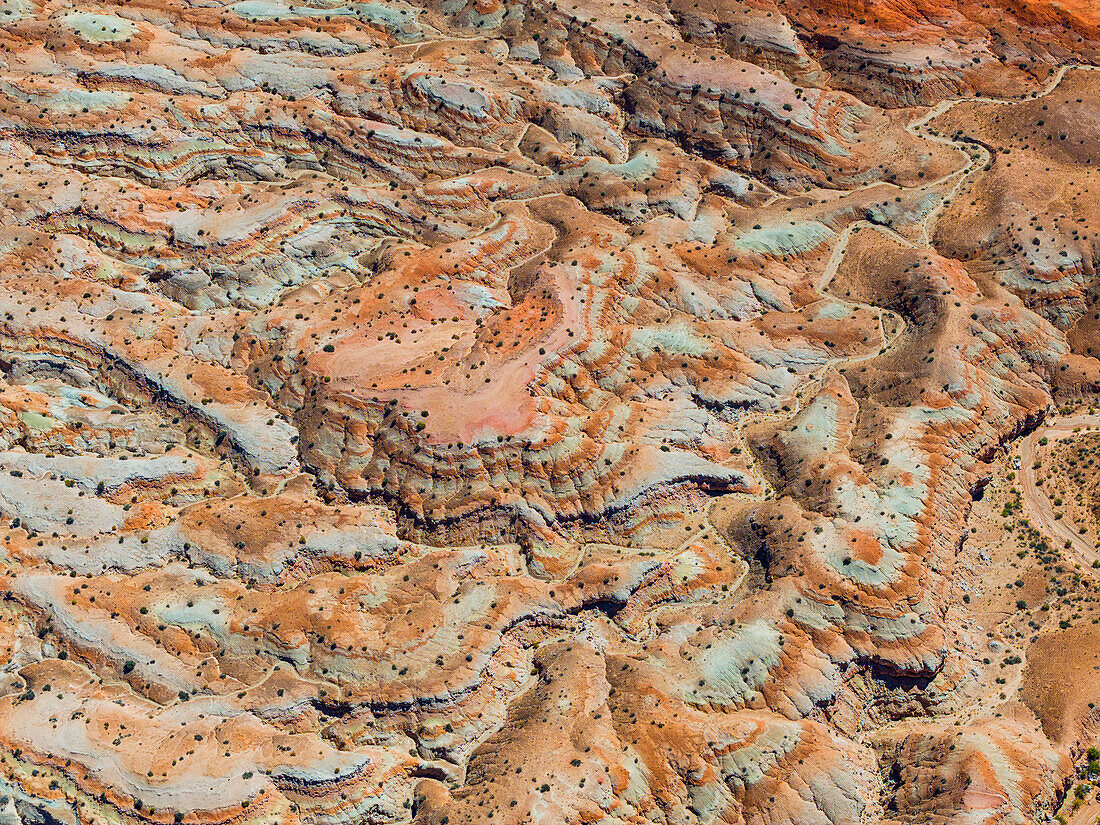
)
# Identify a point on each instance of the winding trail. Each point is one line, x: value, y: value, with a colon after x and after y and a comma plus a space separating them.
x: 978, y: 156
x: 1038, y: 503
x: 1036, y: 500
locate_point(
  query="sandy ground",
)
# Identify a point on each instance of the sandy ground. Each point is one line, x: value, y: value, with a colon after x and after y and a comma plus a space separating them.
x: 1088, y: 813
x: 1035, y: 603
x: 1038, y: 503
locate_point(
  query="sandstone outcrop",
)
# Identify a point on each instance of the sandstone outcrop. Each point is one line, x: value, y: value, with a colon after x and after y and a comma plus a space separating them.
x: 534, y: 411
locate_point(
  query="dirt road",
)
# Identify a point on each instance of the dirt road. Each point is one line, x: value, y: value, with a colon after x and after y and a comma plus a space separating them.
x: 1039, y: 506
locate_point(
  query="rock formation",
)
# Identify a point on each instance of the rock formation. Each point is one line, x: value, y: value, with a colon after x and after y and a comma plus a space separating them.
x: 534, y: 411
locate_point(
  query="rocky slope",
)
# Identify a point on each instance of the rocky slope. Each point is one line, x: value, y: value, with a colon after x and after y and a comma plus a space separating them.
x: 529, y: 411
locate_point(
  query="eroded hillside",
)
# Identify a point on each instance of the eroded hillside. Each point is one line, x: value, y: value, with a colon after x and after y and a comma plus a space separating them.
x: 545, y: 412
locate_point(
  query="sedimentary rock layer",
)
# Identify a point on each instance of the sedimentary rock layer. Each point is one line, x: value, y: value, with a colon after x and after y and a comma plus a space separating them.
x: 529, y: 411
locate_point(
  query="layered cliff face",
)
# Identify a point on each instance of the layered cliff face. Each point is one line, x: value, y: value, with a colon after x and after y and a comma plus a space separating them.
x: 916, y: 52
x: 533, y: 411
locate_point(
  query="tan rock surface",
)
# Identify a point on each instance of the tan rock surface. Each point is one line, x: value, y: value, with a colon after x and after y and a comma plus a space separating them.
x: 542, y: 411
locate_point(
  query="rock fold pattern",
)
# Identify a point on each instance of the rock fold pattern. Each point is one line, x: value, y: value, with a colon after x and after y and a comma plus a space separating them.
x: 524, y: 411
